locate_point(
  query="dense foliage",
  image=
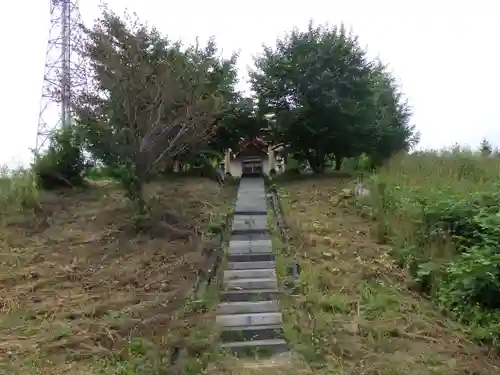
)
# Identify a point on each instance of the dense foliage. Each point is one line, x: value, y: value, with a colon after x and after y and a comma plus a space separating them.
x: 63, y: 164
x: 154, y: 103
x: 328, y: 99
x: 151, y: 102
x: 441, y: 213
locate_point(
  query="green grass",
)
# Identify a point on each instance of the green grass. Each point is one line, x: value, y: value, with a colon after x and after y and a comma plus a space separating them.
x: 440, y: 213
x: 354, y: 313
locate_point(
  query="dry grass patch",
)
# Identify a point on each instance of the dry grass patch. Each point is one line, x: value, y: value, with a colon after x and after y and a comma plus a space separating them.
x: 355, y: 314
x: 283, y: 364
x: 79, y: 289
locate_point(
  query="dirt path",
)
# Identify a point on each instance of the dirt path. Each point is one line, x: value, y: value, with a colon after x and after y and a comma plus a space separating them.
x: 355, y: 314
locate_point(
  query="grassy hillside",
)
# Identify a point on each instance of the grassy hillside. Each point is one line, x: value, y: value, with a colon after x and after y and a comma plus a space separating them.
x: 356, y: 313
x: 441, y: 214
x: 82, y: 293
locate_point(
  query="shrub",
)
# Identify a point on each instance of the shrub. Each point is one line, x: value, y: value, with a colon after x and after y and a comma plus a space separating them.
x: 441, y: 213
x: 471, y: 281
x: 18, y: 190
x: 63, y: 164
x: 99, y: 173
x: 232, y: 180
x: 358, y: 163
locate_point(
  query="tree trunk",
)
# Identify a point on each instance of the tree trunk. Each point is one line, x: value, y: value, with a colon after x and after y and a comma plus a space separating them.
x: 286, y: 156
x: 134, y: 186
x: 338, y: 162
x: 141, y: 206
x: 316, y: 161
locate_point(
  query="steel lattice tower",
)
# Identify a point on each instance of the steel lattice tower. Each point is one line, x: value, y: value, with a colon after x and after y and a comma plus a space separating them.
x: 64, y: 69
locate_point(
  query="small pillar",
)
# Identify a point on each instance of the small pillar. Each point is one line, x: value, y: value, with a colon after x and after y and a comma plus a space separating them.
x: 272, y: 159
x: 227, y: 162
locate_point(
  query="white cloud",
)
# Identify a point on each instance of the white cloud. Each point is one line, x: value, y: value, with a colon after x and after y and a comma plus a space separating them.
x: 444, y: 54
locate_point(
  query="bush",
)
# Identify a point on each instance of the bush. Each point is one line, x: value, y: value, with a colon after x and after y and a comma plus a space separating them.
x: 232, y: 180
x: 441, y: 213
x: 99, y: 173
x: 63, y: 164
x: 18, y: 190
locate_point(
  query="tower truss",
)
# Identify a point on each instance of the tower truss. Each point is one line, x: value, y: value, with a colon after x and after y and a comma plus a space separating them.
x: 65, y: 69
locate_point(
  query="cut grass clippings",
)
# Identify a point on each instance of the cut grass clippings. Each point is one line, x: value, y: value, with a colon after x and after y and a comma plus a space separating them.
x: 81, y: 293
x: 354, y: 314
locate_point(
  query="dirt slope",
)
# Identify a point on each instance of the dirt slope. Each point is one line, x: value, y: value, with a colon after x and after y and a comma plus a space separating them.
x: 79, y: 291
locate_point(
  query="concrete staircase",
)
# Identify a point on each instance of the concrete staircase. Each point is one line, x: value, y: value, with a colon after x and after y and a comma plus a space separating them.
x: 249, y: 311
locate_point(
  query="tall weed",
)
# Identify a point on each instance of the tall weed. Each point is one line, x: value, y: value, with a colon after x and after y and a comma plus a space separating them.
x: 18, y: 190
x: 441, y: 213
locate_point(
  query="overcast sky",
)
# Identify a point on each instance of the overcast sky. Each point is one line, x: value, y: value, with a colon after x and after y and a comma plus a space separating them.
x: 445, y: 54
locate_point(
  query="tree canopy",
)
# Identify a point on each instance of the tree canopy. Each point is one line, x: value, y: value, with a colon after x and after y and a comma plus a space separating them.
x: 153, y: 101
x: 329, y: 98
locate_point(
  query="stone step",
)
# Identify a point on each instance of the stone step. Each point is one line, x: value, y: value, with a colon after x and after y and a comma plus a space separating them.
x: 246, y: 333
x: 250, y: 265
x: 260, y: 347
x: 245, y: 307
x: 252, y: 257
x: 258, y: 207
x: 252, y: 181
x: 249, y: 222
x: 251, y: 236
x: 248, y: 194
x: 242, y: 211
x: 251, y: 243
x: 250, y: 246
x: 252, y: 211
x: 266, y: 273
x: 248, y: 182
x: 242, y: 284
x: 249, y: 295
x: 249, y: 232
x: 251, y: 199
x: 249, y: 250
x: 249, y: 319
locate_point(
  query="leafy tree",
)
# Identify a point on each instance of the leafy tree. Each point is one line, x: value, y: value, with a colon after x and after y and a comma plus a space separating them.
x: 63, y: 164
x: 317, y: 83
x: 324, y: 94
x: 393, y: 131
x: 223, y: 80
x: 485, y: 147
x: 151, y: 102
x: 240, y: 121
